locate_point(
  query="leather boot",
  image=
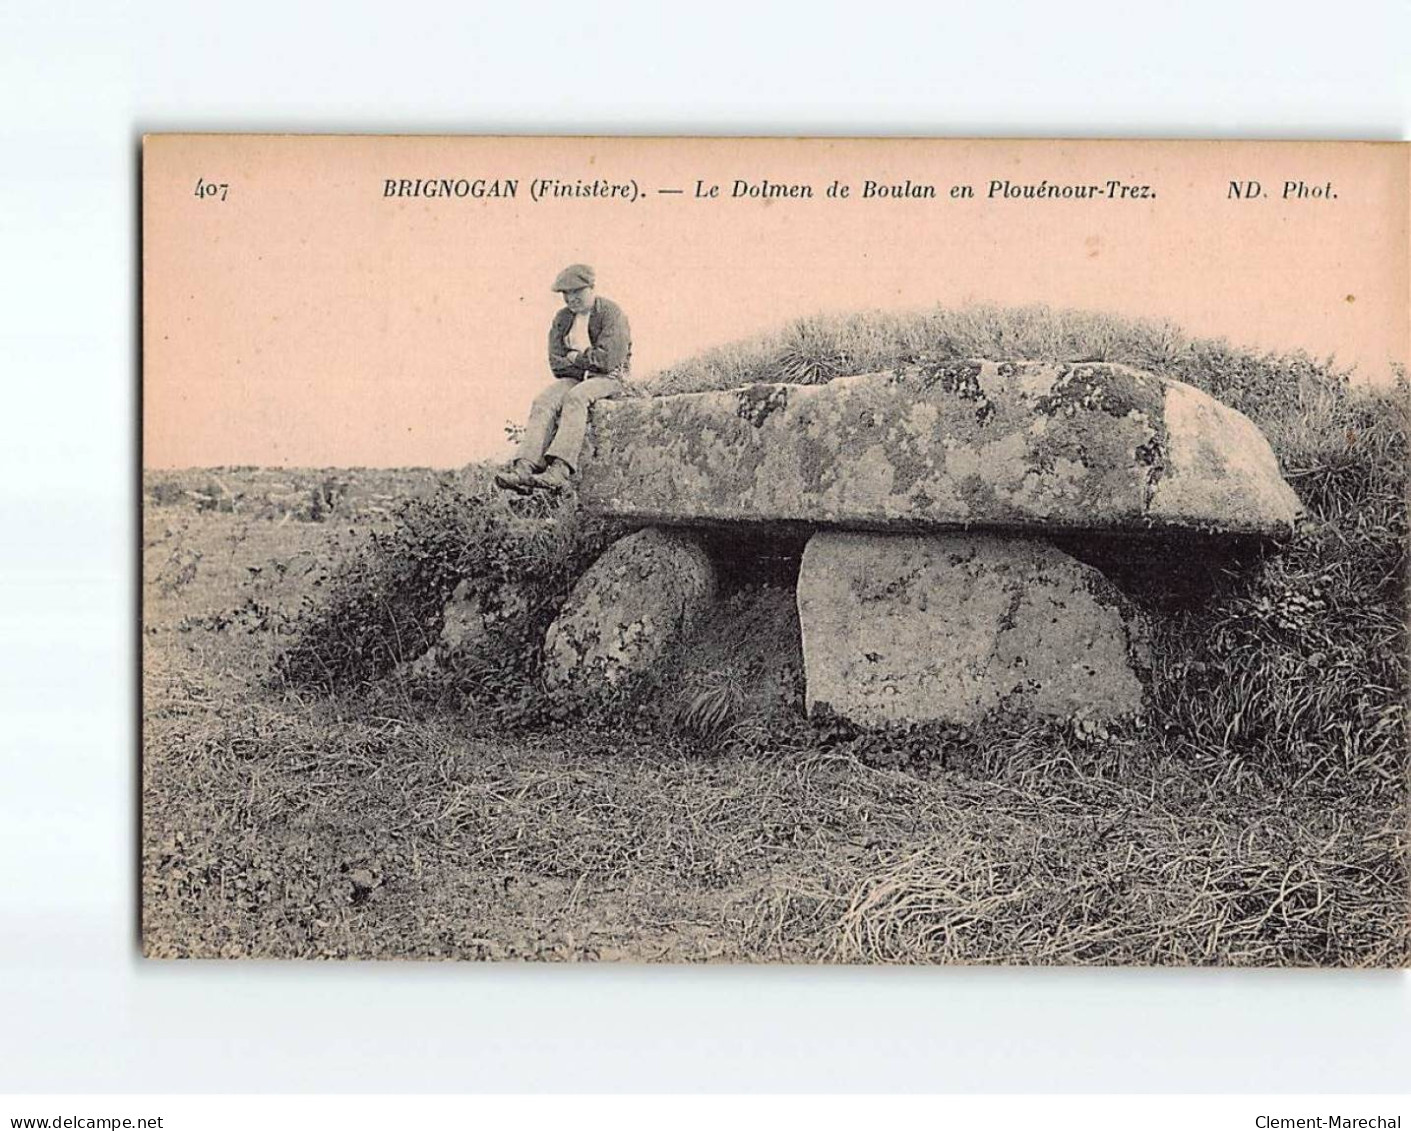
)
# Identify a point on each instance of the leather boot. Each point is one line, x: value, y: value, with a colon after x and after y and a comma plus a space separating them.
x: 518, y: 477
x: 555, y: 477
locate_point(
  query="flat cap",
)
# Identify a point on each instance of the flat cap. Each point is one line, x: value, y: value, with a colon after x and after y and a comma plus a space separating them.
x: 573, y: 276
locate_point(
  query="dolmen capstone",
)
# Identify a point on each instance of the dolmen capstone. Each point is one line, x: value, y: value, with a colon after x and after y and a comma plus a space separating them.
x: 929, y: 588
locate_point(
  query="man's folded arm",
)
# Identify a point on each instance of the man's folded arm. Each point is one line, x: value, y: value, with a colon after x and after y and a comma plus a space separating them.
x: 610, y: 350
x: 558, y: 351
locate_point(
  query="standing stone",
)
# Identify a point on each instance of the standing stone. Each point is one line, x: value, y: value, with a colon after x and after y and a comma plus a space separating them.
x: 628, y: 610
x: 472, y: 623
x: 916, y: 628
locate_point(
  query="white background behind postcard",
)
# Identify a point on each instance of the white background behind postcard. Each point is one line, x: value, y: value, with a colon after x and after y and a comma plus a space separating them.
x: 81, y: 1011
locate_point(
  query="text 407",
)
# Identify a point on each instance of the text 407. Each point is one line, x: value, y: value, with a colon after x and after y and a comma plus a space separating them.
x: 206, y: 190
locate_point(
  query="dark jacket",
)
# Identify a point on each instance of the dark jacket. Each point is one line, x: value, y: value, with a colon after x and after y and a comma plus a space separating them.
x: 611, y: 352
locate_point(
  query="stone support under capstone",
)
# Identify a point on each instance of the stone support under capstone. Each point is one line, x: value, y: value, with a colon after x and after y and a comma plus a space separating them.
x: 631, y: 607
x: 952, y: 627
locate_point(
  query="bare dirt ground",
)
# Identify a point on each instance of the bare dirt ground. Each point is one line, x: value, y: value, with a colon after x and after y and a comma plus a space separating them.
x: 280, y: 825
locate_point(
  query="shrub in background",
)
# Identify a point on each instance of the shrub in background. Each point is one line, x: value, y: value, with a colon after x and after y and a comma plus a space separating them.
x: 384, y: 607
x: 1302, y: 663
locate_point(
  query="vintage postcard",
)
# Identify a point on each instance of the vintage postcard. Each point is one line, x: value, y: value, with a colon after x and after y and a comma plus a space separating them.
x: 819, y: 550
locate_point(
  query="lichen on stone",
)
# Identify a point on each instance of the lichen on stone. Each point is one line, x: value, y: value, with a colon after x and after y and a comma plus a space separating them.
x: 961, y: 378
x: 912, y: 628
x: 757, y: 403
x: 627, y: 611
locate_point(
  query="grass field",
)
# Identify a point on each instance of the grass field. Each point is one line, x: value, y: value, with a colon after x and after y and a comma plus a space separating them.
x: 1258, y: 817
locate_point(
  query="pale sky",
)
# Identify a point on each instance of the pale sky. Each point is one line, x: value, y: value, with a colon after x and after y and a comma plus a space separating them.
x: 309, y: 320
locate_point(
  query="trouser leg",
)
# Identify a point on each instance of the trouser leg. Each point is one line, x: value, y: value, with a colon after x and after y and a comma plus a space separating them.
x: 573, y: 417
x: 543, y: 417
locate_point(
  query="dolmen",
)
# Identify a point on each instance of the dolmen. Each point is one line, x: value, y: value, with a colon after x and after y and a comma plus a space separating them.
x: 930, y: 586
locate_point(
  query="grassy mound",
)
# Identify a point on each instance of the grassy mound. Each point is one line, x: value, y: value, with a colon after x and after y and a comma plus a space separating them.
x: 1295, y: 669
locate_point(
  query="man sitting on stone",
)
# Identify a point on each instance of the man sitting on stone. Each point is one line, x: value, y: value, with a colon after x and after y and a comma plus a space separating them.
x: 590, y: 352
